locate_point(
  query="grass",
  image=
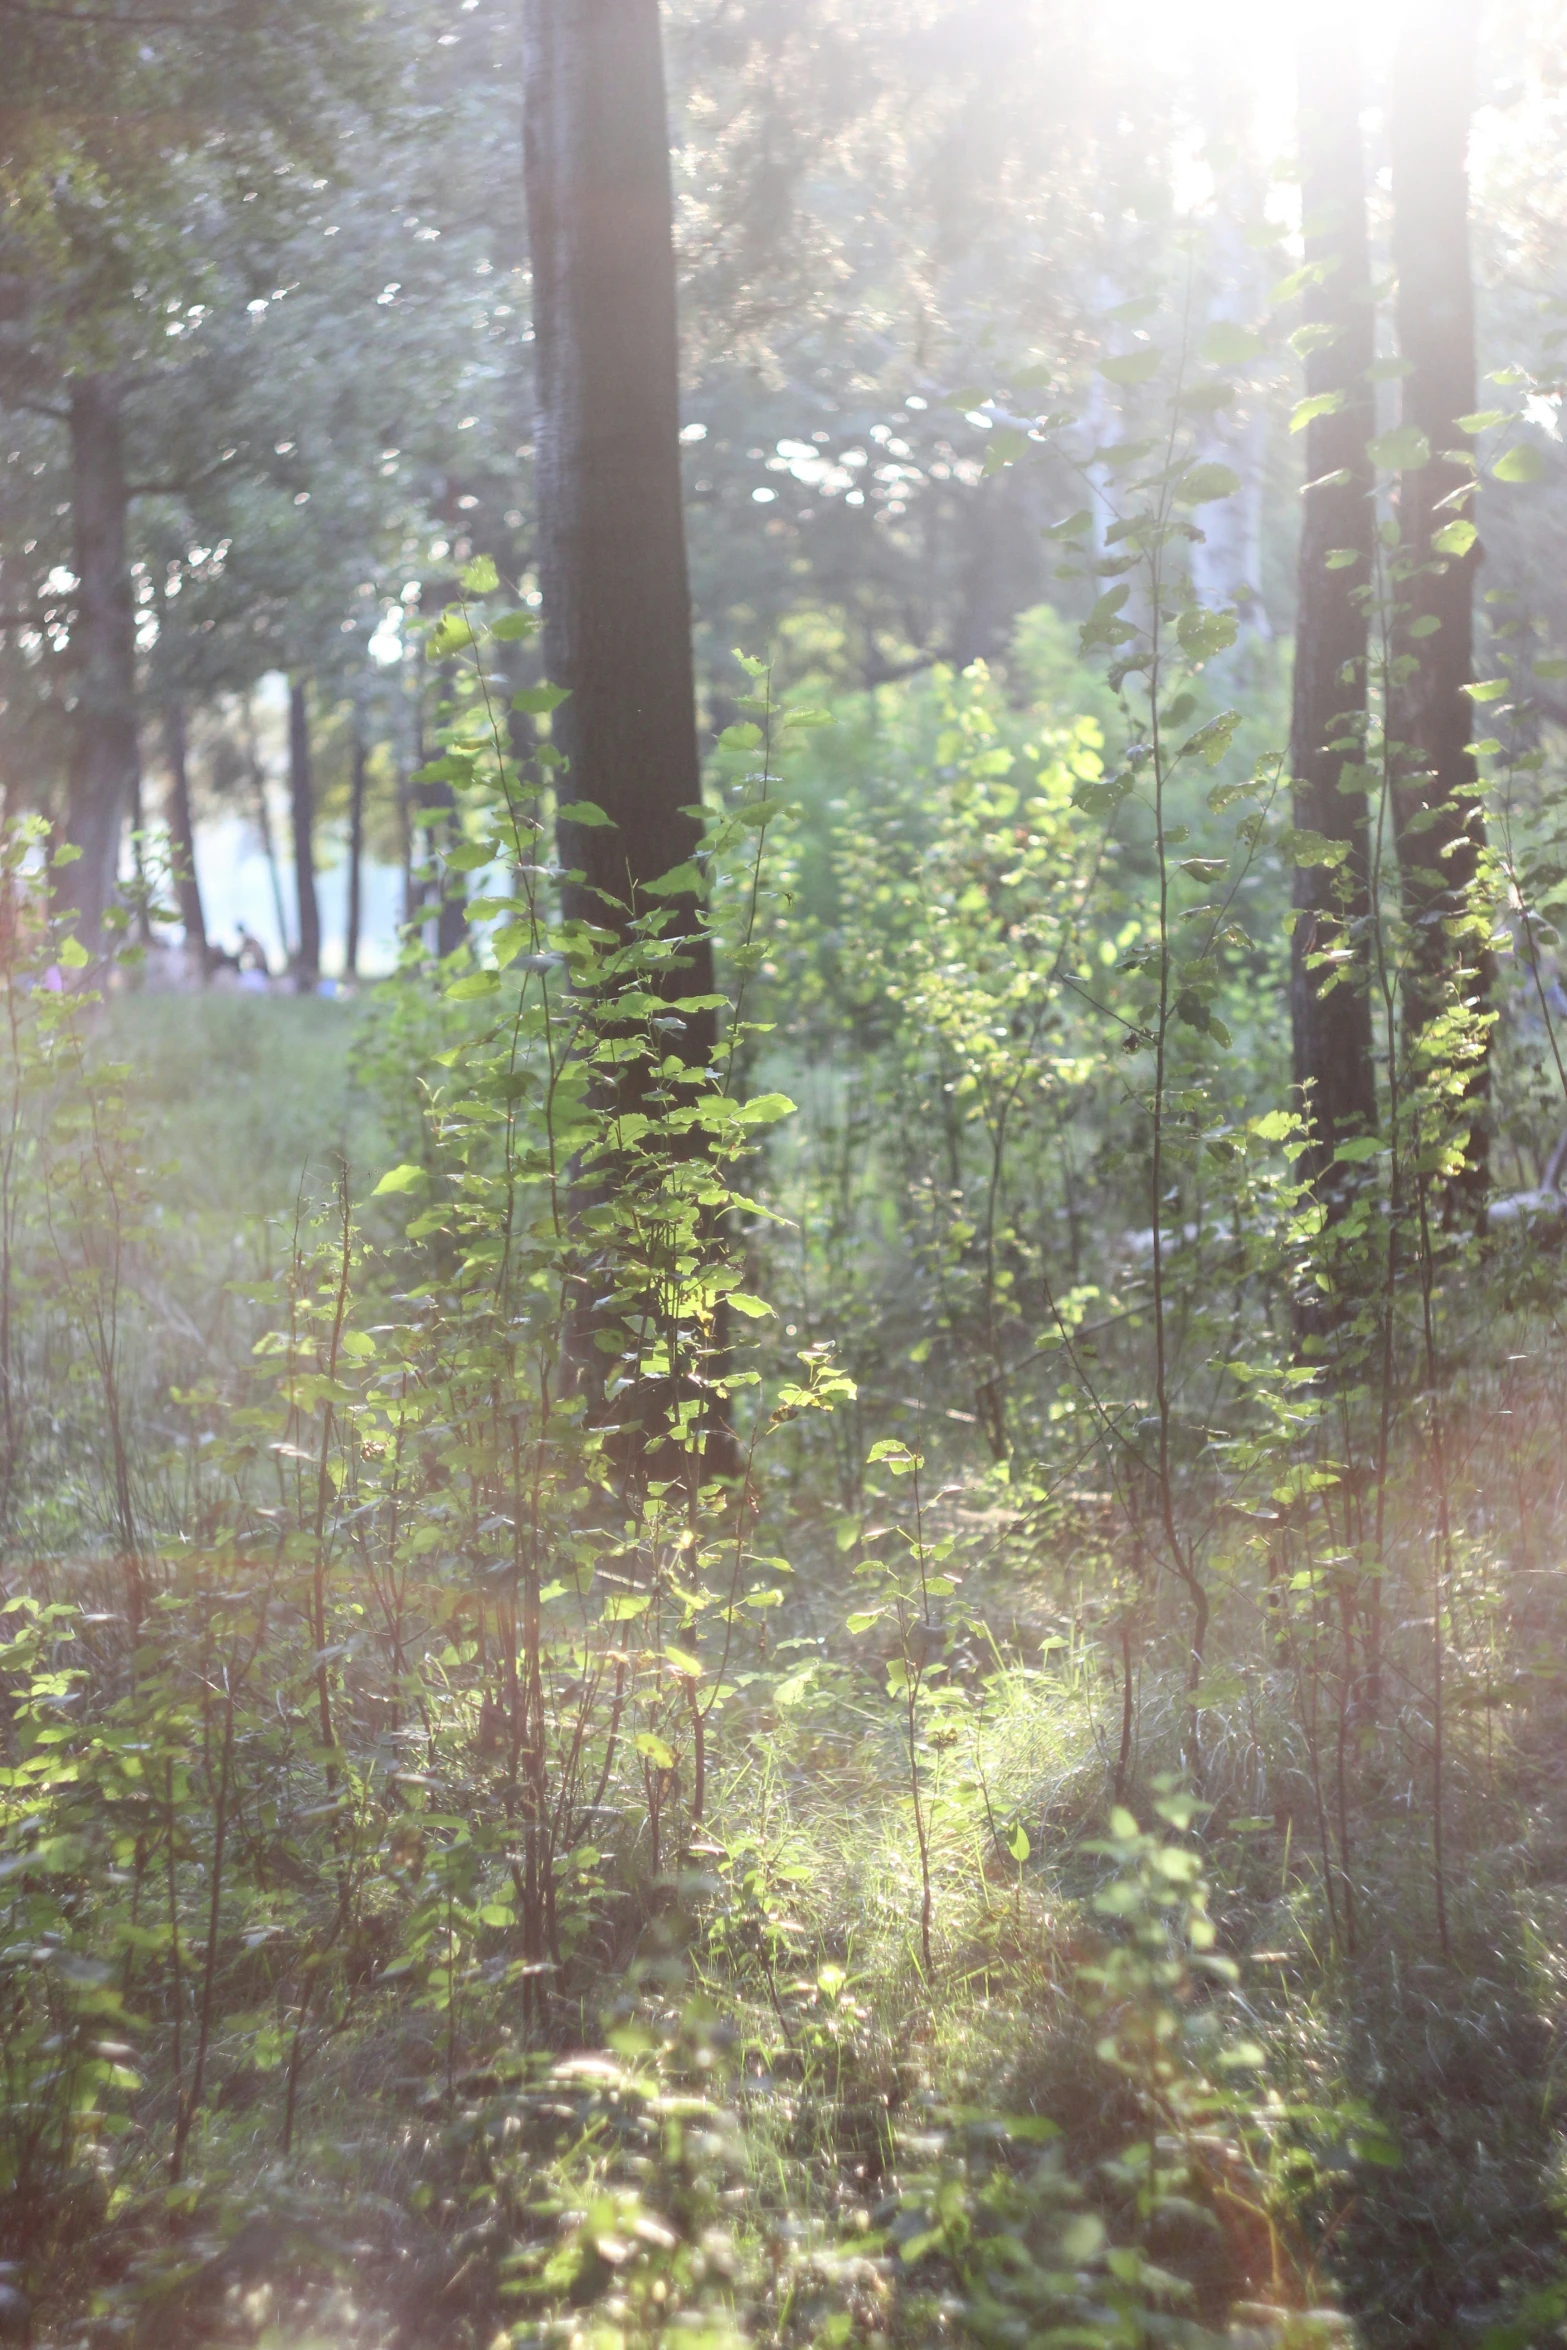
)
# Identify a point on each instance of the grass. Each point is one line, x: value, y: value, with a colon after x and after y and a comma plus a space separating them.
x: 856, y: 2073
x: 247, y: 1097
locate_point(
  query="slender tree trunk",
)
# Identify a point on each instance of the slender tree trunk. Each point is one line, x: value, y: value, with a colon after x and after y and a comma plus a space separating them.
x: 182, y: 832
x: 302, y: 806
x: 356, y: 853
x: 612, y: 553
x: 451, y: 921
x: 1331, y: 1027
x: 105, y: 762
x: 1439, y: 827
x: 258, y: 781
x: 143, y: 919
x: 446, y: 892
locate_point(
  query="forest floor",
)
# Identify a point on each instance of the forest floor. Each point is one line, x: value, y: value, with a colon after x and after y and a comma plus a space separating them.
x: 851, y: 2064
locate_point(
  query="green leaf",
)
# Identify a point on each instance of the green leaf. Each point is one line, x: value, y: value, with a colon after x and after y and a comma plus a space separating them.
x: 1004, y: 447
x: 1522, y: 463
x: 451, y: 632
x: 755, y: 1309
x: 1202, y: 632
x: 480, y: 577
x: 512, y: 625
x: 1307, y: 848
x: 1312, y: 274
x: 1074, y: 526
x: 1200, y: 485
x: 1134, y: 367
x: 765, y: 1109
x: 587, y: 813
x: 1359, y: 1149
x: 1227, y: 345
x: 653, y: 1750
x: 1454, y: 538
x: 1018, y: 1844
x: 1404, y: 450
x: 1482, y: 420
x: 1210, y: 742
x: 539, y: 700
x: 70, y: 954
x: 745, y: 737
x: 1489, y: 689
x: 1320, y: 404
x: 680, y: 882
x: 407, y: 1177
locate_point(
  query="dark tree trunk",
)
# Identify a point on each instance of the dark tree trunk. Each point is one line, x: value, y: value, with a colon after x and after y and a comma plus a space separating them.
x: 1332, y: 1030
x: 258, y: 784
x: 445, y: 892
x: 182, y: 833
x: 302, y: 807
x: 105, y: 764
x: 611, y: 526
x: 451, y: 921
x: 1439, y: 827
x: 612, y: 552
x: 356, y: 857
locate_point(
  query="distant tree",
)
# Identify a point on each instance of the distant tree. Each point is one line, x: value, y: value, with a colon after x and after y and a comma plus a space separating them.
x: 105, y: 769
x: 1440, y: 830
x: 302, y: 816
x: 1330, y: 1003
x: 356, y: 850
x: 182, y: 834
x: 128, y: 145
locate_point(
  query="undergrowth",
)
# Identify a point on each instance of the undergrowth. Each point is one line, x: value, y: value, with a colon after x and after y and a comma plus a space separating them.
x: 944, y: 1727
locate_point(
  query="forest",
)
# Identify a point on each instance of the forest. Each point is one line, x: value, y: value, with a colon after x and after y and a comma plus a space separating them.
x: 783, y: 1175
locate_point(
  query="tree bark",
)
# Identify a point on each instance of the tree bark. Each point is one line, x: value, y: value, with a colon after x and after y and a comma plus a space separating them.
x: 611, y: 543
x: 182, y: 833
x: 258, y: 784
x: 302, y: 807
x: 1332, y: 1030
x: 445, y: 893
x: 356, y: 855
x: 1439, y: 827
x: 105, y: 766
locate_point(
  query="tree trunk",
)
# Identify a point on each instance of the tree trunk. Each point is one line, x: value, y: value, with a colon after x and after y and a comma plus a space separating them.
x: 182, y: 834
x: 1332, y: 1028
x: 258, y: 784
x: 105, y: 763
x: 451, y: 921
x: 445, y: 893
x: 302, y: 807
x: 612, y: 552
x: 611, y: 527
x: 356, y: 854
x: 1439, y: 827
